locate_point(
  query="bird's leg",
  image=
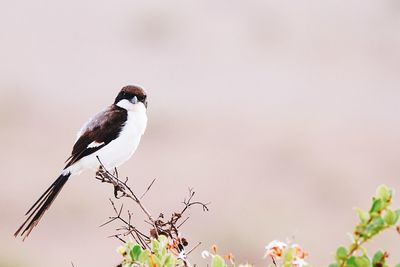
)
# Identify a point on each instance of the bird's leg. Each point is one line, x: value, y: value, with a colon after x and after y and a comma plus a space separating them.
x: 104, y: 176
x: 117, y: 186
x: 100, y: 174
x: 116, y: 190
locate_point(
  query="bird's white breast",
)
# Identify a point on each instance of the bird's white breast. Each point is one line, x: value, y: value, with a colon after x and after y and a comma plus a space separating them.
x: 120, y: 149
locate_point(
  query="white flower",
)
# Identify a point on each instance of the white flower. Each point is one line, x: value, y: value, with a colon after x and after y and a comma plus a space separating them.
x: 299, y: 252
x: 276, y: 243
x: 205, y: 254
x: 182, y: 255
x: 275, y: 248
x: 299, y: 262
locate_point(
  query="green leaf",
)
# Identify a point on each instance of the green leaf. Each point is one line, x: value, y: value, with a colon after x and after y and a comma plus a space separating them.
x: 390, y: 217
x: 341, y: 254
x: 289, y: 255
x: 363, y: 250
x: 144, y: 256
x: 333, y: 265
x: 218, y: 261
x: 362, y: 215
x: 163, y: 240
x: 352, y: 247
x: 163, y: 252
x: 376, y: 207
x: 169, y: 261
x: 362, y: 261
x: 375, y: 227
x: 155, y: 260
x: 359, y: 231
x: 378, y: 259
x: 155, y: 245
x: 383, y: 192
x: 351, y: 262
x: 135, y: 252
x: 397, y: 265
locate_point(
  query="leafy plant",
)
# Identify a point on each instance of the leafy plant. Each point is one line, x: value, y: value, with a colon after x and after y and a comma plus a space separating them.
x: 165, y: 252
x: 379, y: 218
x: 159, y: 254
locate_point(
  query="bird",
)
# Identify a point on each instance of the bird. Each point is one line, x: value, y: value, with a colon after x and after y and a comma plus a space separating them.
x: 107, y: 140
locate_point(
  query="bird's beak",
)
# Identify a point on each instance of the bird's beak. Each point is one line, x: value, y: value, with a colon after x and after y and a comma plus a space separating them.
x: 145, y: 103
x: 134, y: 100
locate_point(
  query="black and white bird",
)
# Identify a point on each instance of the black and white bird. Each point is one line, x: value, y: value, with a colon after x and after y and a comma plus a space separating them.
x: 111, y: 136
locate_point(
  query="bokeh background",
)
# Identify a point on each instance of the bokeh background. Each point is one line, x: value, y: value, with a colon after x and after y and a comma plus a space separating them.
x: 283, y: 114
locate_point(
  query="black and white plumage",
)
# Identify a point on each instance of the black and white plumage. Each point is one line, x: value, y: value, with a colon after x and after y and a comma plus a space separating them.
x: 111, y: 136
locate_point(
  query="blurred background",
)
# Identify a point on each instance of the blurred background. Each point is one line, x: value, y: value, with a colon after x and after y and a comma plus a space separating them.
x: 283, y: 114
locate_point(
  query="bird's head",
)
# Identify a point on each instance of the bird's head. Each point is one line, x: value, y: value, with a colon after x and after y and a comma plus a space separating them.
x: 131, y: 97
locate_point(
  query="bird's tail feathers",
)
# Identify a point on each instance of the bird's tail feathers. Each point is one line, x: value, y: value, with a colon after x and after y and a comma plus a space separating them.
x: 36, y: 212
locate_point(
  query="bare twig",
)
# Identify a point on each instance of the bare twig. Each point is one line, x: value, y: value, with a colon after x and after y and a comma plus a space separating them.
x: 160, y: 226
x: 190, y: 251
x: 148, y: 188
x: 120, y: 186
x: 274, y: 261
x: 182, y: 222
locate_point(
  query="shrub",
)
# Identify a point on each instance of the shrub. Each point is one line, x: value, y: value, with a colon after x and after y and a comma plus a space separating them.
x: 167, y: 251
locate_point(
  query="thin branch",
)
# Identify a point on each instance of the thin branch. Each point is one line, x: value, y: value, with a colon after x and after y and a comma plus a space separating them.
x: 274, y: 261
x: 161, y: 226
x: 190, y: 251
x: 122, y: 187
x: 182, y: 222
x: 148, y: 188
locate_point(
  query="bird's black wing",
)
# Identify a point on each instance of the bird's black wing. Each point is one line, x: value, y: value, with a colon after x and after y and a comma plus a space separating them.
x: 101, y: 130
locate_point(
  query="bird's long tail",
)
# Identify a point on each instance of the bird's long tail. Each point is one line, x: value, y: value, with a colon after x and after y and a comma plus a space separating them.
x: 36, y: 212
